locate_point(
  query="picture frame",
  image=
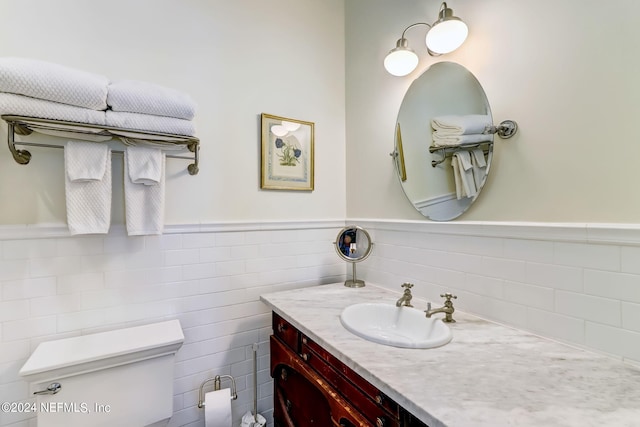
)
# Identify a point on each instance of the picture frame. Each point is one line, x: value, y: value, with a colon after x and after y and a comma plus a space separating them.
x: 287, y: 153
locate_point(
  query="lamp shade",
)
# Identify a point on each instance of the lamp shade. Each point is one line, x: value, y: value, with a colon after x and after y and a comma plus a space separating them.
x: 401, y: 60
x: 447, y: 33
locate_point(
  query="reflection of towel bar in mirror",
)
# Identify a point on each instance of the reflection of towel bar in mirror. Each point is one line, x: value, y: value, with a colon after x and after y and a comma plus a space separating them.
x: 27, y: 125
x: 505, y: 130
x: 446, y: 152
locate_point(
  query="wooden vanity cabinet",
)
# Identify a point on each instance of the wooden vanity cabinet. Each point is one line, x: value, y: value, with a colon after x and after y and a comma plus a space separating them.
x: 314, y: 388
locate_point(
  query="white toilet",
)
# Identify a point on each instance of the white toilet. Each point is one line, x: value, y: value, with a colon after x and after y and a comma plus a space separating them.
x: 116, y: 378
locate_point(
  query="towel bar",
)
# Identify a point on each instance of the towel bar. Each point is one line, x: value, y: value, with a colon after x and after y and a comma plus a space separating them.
x: 216, y: 386
x: 27, y: 125
x: 447, y: 152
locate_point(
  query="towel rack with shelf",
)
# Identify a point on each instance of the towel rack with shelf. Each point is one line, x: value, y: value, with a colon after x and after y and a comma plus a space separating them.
x: 22, y: 125
x: 446, y: 152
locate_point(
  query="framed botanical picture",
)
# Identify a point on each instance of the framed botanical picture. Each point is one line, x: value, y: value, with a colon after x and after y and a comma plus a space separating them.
x: 287, y: 154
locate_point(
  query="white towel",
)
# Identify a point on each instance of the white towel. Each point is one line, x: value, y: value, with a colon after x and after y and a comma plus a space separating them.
x: 479, y: 164
x: 461, y: 125
x: 88, y: 187
x: 456, y: 176
x: 131, y: 96
x: 150, y: 123
x: 440, y: 140
x: 144, y: 201
x: 465, y: 172
x: 31, y: 107
x: 145, y: 165
x: 53, y: 82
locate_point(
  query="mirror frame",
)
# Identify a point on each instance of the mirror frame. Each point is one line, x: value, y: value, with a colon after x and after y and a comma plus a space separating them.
x: 343, y: 256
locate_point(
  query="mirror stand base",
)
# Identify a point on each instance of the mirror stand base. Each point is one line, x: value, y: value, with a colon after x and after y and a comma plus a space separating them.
x: 354, y: 283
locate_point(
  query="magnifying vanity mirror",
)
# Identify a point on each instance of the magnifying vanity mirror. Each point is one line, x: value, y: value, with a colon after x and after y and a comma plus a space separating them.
x: 353, y: 245
x: 425, y: 170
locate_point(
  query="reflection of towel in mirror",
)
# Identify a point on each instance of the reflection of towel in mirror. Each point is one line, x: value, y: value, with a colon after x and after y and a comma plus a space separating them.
x: 456, y: 176
x: 479, y: 164
x: 450, y: 140
x: 465, y: 184
x: 460, y: 124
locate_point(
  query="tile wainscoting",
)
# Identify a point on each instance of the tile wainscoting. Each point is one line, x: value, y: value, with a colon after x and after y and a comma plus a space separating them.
x: 209, y: 276
x: 575, y: 283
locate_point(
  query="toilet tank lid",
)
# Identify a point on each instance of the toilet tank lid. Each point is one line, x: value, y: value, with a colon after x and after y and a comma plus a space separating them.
x: 152, y: 339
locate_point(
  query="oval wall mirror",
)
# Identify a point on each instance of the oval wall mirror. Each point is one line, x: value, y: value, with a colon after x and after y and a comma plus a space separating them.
x: 353, y: 244
x: 426, y: 175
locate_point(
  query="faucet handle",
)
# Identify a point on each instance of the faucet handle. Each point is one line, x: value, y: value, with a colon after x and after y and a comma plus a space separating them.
x: 407, y: 285
x: 448, y: 296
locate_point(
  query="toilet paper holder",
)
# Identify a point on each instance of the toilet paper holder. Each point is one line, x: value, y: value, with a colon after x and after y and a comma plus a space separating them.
x: 217, y: 380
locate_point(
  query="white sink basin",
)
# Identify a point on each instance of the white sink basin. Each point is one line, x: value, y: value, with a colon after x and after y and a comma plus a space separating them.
x: 395, y: 326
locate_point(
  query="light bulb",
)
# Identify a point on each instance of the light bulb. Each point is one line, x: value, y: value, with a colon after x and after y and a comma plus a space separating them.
x: 446, y: 36
x: 401, y: 61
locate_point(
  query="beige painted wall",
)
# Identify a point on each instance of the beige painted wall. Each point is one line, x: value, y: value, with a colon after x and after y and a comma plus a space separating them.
x: 565, y: 71
x: 236, y: 58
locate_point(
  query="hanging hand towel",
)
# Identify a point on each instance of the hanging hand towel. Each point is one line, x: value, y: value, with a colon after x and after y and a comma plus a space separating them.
x: 461, y: 125
x: 88, y: 187
x: 455, y: 164
x: 144, y: 185
x: 466, y: 173
x: 479, y: 164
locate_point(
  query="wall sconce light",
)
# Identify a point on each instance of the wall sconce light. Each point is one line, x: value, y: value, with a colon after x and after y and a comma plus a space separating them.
x: 444, y: 36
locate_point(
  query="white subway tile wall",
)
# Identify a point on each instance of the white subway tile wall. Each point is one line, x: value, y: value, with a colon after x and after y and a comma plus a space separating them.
x: 59, y: 287
x: 553, y: 281
x: 548, y: 279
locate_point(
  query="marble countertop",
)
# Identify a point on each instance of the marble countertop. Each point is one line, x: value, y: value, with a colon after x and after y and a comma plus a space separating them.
x: 489, y: 375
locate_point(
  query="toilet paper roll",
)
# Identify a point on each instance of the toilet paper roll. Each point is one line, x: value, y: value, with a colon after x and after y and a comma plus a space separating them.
x: 217, y: 408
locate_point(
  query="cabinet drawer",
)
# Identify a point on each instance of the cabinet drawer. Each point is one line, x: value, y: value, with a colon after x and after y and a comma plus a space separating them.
x: 304, y: 399
x: 372, y: 392
x: 375, y: 413
x: 286, y: 332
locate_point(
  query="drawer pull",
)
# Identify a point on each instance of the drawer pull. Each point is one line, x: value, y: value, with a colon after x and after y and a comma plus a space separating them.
x: 305, y: 356
x: 282, y: 327
x: 380, y: 422
x: 379, y: 399
x: 304, y: 340
x: 284, y: 374
x: 287, y: 405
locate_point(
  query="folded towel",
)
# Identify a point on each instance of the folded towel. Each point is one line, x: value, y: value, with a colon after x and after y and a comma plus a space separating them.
x: 145, y: 165
x: 131, y: 96
x: 31, y: 107
x: 149, y: 123
x: 88, y: 187
x: 479, y: 164
x: 455, y: 140
x: 53, y: 82
x: 461, y: 125
x: 144, y: 204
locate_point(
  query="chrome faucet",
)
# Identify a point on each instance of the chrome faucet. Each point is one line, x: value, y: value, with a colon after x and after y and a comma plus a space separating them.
x: 405, y: 299
x: 447, y: 309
